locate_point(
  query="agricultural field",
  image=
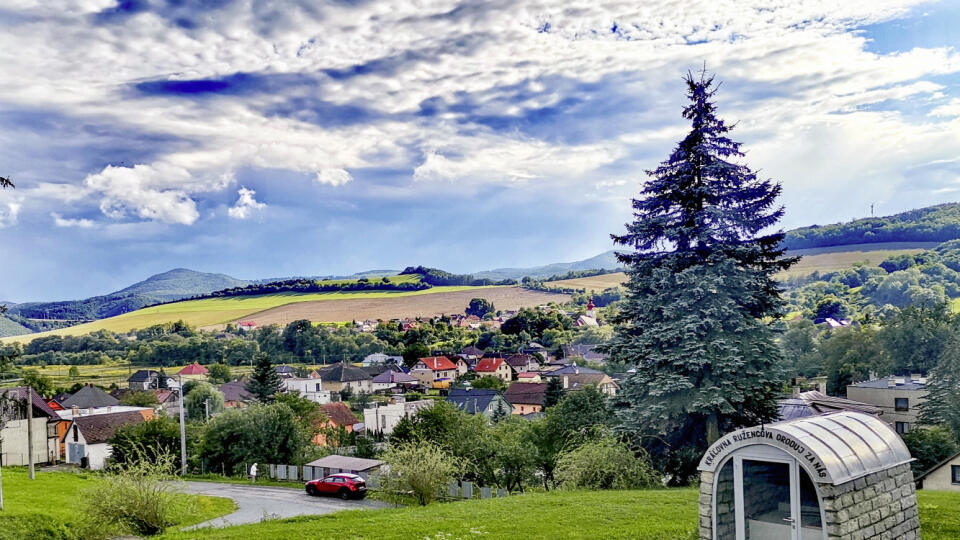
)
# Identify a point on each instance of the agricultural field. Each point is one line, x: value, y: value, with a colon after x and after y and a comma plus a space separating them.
x: 108, y: 373
x: 450, y: 301
x: 592, y: 283
x: 831, y: 259
x: 320, y: 307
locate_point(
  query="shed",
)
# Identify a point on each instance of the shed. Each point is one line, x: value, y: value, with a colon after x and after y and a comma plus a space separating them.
x: 944, y: 476
x: 838, y: 475
x: 346, y: 464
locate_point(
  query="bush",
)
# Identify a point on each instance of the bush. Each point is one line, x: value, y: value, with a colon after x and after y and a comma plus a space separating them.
x: 419, y: 468
x: 148, y: 441
x: 604, y: 464
x: 139, y: 498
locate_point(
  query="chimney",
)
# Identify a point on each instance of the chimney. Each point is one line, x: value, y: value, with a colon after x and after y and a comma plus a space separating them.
x: 566, y: 382
x: 891, y: 383
x: 75, y: 410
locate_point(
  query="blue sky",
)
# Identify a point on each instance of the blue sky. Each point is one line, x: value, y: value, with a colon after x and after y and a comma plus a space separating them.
x: 264, y: 139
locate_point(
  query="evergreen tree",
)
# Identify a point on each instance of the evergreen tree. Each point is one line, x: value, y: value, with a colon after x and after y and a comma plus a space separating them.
x: 700, y: 285
x: 265, y: 381
x: 554, y: 392
x: 942, y: 405
x: 162, y: 380
x: 499, y: 413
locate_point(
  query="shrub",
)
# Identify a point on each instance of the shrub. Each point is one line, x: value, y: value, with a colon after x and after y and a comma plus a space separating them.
x: 138, y: 498
x: 604, y: 464
x: 420, y: 469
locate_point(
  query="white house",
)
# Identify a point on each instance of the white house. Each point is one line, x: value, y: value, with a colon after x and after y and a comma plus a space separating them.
x: 87, y: 435
x: 383, y: 418
x: 309, y: 388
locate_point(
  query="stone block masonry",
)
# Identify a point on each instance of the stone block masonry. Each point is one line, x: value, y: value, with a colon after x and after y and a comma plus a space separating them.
x: 880, y: 505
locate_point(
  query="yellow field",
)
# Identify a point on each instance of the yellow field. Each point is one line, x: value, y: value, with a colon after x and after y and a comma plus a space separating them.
x: 212, y: 311
x: 836, y: 258
x: 112, y: 372
x: 592, y: 283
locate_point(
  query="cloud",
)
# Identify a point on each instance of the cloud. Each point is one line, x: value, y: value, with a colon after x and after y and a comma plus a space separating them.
x: 61, y: 221
x: 9, y: 211
x: 146, y: 192
x: 334, y: 177
x: 948, y: 110
x: 246, y: 204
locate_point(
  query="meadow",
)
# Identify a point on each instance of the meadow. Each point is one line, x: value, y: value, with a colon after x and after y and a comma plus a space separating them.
x: 46, y: 507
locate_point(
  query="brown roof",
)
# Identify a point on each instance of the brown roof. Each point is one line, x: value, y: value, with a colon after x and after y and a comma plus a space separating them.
x: 525, y: 393
x: 98, y: 428
x: 340, y: 414
x: 20, y: 394
x: 235, y: 391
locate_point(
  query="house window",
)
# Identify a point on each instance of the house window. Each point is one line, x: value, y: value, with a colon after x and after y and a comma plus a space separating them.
x: 955, y: 474
x: 901, y: 404
x: 903, y: 427
x: 318, y: 387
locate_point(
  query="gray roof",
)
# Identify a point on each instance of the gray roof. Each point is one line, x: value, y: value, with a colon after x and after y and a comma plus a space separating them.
x: 570, y: 370
x: 346, y: 463
x: 344, y: 372
x: 841, y: 446
x: 472, y: 400
x: 90, y: 397
x: 813, y: 403
x: 143, y: 375
x: 397, y: 377
x: 884, y: 382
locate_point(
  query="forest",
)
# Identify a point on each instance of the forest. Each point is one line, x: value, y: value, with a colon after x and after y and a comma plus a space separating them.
x: 931, y: 224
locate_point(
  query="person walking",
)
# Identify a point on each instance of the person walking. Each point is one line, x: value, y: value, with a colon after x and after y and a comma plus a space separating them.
x: 253, y: 473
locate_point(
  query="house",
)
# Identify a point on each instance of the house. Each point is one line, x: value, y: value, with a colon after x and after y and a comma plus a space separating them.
x: 311, y: 389
x: 334, y: 463
x: 478, y: 401
x: 235, y: 394
x: 526, y: 397
x: 944, y: 476
x: 338, y: 416
x: 18, y: 429
x: 494, y: 367
x: 527, y: 376
x: 588, y: 353
x: 87, y: 436
x: 383, y: 418
x: 344, y: 375
x: 471, y: 352
x: 90, y: 397
x: 377, y: 369
x: 432, y: 369
x: 391, y: 379
x: 575, y: 377
x: 814, y: 402
x: 285, y: 371
x: 523, y: 362
x: 247, y: 326
x: 168, y: 401
x: 377, y: 359
x: 585, y: 321
x: 143, y: 379
x: 194, y: 372
x: 898, y: 397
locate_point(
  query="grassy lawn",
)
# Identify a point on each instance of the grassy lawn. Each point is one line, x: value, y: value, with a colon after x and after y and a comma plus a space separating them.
x: 653, y: 514
x: 210, y: 311
x: 45, y: 507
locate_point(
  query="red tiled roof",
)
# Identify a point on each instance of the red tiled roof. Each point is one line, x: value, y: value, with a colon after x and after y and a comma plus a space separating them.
x: 194, y: 369
x: 438, y: 363
x: 488, y: 365
x: 340, y: 414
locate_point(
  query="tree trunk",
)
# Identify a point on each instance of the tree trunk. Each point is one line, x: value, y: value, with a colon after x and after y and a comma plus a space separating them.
x: 713, y: 428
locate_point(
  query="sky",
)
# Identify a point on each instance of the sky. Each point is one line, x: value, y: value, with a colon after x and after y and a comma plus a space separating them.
x: 266, y: 138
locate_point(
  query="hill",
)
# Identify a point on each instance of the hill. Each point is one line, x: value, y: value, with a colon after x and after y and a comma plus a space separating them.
x: 172, y: 285
x: 604, y: 261
x: 12, y: 328
x: 930, y: 224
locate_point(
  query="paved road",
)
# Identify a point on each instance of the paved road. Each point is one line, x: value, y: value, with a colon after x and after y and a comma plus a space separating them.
x: 254, y: 503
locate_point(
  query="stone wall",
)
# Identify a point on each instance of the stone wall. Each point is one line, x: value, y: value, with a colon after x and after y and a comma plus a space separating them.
x: 879, y: 506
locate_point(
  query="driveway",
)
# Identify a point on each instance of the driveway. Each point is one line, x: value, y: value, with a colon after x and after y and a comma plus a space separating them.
x: 254, y: 504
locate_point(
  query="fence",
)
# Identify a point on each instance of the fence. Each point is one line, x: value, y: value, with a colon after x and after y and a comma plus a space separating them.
x: 455, y: 490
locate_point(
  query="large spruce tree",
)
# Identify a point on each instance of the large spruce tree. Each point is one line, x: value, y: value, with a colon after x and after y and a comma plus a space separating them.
x: 695, y: 323
x: 264, y: 382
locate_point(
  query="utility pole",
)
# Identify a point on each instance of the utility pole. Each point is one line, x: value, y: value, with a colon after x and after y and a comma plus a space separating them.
x: 30, y: 430
x: 206, y: 407
x: 183, y: 431
x: 871, y: 209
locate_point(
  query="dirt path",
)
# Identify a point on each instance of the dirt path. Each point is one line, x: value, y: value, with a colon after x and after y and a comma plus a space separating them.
x: 426, y: 305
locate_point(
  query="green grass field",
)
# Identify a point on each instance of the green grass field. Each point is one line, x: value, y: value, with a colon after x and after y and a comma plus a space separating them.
x: 45, y: 507
x: 211, y: 311
x: 105, y: 374
x: 653, y: 514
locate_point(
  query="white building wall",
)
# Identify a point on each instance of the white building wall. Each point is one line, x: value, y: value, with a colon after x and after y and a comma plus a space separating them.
x: 97, y: 455
x: 311, y: 389
x: 13, y: 443
x: 384, y: 419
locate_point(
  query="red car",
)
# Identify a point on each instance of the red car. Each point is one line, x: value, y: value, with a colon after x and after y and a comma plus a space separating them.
x: 343, y: 485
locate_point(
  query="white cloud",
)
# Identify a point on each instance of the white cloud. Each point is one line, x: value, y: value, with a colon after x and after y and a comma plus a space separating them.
x: 334, y: 177
x: 246, y: 204
x: 81, y: 223
x: 9, y: 212
x: 145, y: 192
x: 950, y: 110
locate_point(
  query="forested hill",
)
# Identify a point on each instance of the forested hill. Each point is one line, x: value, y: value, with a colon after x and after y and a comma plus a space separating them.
x: 931, y: 224
x: 172, y: 285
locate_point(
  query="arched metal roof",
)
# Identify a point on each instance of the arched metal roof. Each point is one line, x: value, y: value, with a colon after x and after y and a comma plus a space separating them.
x: 834, y: 448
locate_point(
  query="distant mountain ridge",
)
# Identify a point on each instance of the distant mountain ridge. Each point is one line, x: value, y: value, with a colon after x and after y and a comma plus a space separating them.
x: 167, y: 286
x: 604, y: 261
x: 938, y: 223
